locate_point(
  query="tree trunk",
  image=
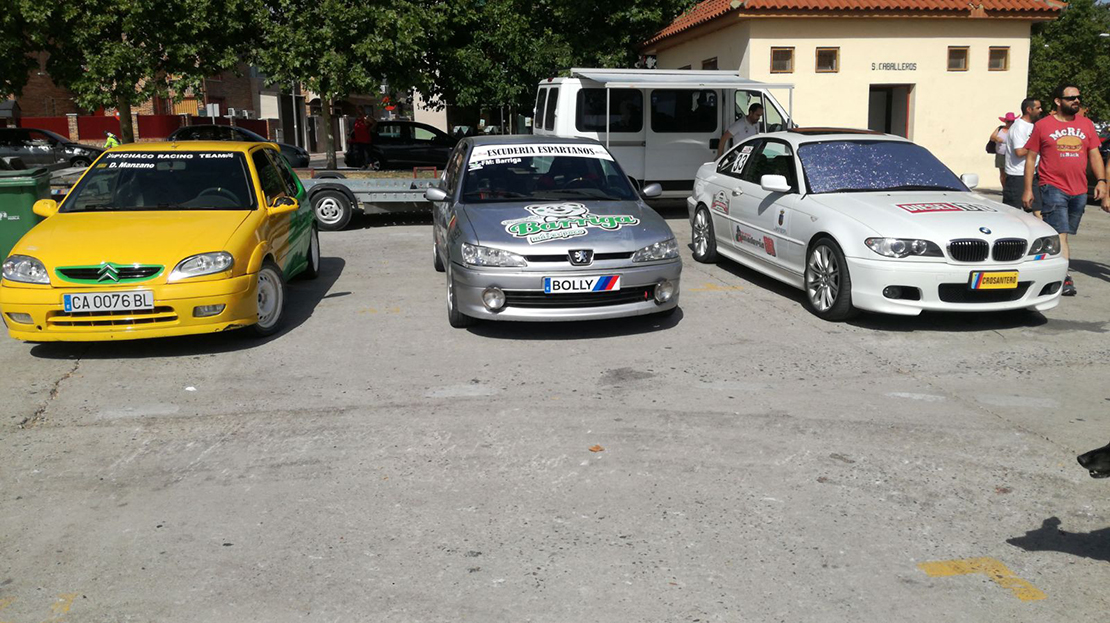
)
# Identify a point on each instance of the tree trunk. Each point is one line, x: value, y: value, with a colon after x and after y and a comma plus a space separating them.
x: 329, y: 137
x: 126, y: 130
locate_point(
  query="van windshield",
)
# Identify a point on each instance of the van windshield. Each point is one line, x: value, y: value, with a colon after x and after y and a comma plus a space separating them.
x: 178, y: 180
x: 873, y: 166
x: 497, y: 173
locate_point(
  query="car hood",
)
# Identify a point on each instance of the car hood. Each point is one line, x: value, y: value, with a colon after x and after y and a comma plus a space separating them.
x: 939, y: 216
x: 166, y: 238
x: 555, y: 227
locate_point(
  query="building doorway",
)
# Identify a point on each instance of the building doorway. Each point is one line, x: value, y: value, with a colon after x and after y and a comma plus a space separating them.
x: 889, y: 109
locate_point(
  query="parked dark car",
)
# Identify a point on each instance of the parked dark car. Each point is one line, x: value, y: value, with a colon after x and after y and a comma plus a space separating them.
x: 39, y: 148
x: 399, y: 144
x: 297, y: 156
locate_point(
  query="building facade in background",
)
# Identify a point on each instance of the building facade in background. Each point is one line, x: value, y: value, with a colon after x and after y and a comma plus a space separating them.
x: 939, y: 73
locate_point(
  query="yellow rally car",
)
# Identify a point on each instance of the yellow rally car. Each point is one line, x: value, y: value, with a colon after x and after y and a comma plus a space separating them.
x: 160, y: 239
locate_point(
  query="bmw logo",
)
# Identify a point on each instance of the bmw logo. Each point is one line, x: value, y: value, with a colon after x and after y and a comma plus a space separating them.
x: 985, y: 230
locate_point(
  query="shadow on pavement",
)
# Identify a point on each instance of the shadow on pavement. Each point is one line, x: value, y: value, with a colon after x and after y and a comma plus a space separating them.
x: 1096, y: 270
x: 952, y: 321
x: 370, y: 221
x: 302, y: 297
x: 579, y: 330
x: 1050, y: 538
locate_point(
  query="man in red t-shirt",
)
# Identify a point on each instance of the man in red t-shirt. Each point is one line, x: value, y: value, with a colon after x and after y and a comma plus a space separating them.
x: 1067, y: 145
x: 360, y: 140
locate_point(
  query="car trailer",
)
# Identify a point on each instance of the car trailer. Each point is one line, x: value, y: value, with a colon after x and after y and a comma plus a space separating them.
x: 335, y: 198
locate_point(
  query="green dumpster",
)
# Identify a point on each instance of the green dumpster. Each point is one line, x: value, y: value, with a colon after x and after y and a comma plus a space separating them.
x: 19, y: 190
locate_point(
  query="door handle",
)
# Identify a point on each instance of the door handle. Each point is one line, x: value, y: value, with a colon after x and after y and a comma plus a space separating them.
x: 736, y: 192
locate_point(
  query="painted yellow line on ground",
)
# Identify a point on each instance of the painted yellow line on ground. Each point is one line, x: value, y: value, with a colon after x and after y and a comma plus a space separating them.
x: 712, y: 287
x: 64, y: 603
x: 989, y: 567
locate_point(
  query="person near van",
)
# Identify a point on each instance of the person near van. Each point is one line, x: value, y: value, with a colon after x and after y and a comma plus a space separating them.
x: 110, y: 140
x: 998, y: 137
x: 1067, y: 144
x: 742, y: 128
x: 360, y: 140
x: 1016, y: 138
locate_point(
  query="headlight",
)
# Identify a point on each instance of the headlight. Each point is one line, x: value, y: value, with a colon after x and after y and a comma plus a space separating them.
x: 475, y: 255
x: 903, y: 247
x: 25, y: 269
x: 1049, y: 245
x: 202, y: 264
x: 666, y: 250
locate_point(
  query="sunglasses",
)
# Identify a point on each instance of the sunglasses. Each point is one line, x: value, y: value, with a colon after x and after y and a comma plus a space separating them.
x: 1073, y: 98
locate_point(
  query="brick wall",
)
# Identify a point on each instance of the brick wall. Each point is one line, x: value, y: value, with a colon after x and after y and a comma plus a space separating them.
x: 231, y: 91
x: 42, y: 98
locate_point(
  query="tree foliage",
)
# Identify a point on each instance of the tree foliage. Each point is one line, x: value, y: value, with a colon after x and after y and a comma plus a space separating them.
x: 18, y: 30
x: 1070, y: 49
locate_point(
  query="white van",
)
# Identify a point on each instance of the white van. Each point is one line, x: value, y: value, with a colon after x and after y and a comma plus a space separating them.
x: 661, y: 125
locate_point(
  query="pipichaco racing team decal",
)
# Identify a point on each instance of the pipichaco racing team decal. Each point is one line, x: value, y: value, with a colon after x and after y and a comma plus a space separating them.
x: 563, y: 220
x: 953, y: 206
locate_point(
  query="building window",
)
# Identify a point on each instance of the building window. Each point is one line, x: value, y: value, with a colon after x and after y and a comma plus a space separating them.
x: 782, y: 60
x: 957, y: 59
x: 828, y: 60
x: 999, y: 59
x: 709, y: 63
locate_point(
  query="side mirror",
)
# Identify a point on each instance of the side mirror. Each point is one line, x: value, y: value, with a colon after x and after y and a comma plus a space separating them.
x: 435, y: 194
x: 971, y: 180
x: 774, y: 184
x: 651, y: 190
x: 45, y: 208
x: 283, y: 205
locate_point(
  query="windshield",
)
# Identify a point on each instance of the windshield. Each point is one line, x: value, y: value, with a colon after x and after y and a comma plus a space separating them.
x: 543, y: 172
x: 873, y: 166
x: 179, y: 180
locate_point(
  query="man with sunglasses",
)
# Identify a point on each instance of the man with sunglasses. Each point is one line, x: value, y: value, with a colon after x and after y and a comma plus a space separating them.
x: 1067, y: 144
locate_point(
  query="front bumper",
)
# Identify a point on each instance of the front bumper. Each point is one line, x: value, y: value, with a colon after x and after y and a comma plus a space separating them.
x: 172, y: 314
x: 523, y: 288
x: 871, y: 277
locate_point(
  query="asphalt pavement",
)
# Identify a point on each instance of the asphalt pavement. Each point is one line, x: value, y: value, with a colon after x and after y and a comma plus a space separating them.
x: 740, y: 460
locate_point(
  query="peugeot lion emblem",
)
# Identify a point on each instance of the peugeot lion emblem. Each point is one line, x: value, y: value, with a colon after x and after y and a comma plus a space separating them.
x: 107, y: 272
x: 985, y: 230
x: 581, y: 257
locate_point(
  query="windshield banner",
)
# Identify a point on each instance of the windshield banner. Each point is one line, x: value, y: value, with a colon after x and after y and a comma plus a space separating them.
x: 147, y: 159
x: 511, y: 154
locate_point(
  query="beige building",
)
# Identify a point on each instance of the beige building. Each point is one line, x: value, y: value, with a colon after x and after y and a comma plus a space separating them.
x: 939, y: 72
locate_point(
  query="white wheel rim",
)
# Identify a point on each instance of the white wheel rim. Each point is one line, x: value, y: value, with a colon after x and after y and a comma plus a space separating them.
x: 822, y: 278
x: 269, y: 299
x: 701, y: 233
x: 329, y: 210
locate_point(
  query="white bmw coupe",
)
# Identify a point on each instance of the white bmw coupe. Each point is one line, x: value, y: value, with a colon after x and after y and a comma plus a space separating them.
x: 862, y: 220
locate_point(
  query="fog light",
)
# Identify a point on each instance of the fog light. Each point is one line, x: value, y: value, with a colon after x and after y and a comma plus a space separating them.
x: 493, y: 299
x: 664, y: 290
x: 203, y: 311
x: 21, y: 318
x: 892, y: 292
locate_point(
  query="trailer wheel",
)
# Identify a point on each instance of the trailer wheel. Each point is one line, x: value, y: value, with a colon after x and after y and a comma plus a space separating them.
x: 332, y: 208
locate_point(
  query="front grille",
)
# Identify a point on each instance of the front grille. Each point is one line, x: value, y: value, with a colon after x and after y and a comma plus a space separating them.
x: 562, y: 257
x: 960, y: 293
x: 96, y: 274
x: 111, y: 319
x: 968, y: 250
x: 536, y: 299
x: 1008, y: 250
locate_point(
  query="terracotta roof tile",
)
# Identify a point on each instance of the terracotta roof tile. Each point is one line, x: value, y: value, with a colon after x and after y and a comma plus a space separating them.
x: 708, y: 10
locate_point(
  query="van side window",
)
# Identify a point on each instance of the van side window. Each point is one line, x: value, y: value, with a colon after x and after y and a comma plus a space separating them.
x: 771, y: 116
x: 549, y: 115
x: 683, y: 110
x: 626, y: 110
x: 541, y: 105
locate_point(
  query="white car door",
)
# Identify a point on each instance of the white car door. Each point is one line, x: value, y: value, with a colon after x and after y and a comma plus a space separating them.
x: 723, y: 186
x: 761, y: 218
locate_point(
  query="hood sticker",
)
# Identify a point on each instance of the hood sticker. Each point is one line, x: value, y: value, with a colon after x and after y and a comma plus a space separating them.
x: 921, y: 208
x: 563, y: 220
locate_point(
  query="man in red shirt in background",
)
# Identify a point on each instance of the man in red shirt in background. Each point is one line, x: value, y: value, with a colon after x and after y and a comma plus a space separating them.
x: 360, y: 140
x: 1067, y: 145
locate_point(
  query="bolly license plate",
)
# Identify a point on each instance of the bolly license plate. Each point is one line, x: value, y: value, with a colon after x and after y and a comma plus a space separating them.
x: 601, y: 283
x: 993, y: 281
x: 136, y: 300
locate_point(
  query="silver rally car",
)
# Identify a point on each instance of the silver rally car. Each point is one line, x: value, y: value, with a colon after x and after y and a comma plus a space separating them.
x: 544, y: 228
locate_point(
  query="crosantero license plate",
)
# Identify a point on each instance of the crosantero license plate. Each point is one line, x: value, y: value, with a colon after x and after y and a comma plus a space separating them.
x: 136, y: 300
x: 601, y: 283
x: 994, y: 281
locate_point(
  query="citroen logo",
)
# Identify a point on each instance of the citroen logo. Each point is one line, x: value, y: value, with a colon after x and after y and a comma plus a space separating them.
x: 107, y: 272
x: 581, y: 257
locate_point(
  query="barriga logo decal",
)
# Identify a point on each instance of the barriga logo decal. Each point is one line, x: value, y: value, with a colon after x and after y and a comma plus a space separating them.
x: 563, y: 220
x: 921, y: 208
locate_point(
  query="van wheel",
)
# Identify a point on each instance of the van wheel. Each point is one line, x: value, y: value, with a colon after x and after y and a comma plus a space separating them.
x: 270, y: 292
x: 828, y: 286
x: 332, y: 209
x: 704, y: 238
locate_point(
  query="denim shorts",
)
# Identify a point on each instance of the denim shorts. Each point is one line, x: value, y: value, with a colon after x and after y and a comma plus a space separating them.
x: 1062, y: 211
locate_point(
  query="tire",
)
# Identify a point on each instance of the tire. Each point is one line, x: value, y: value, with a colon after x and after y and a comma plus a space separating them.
x: 80, y: 162
x: 312, y: 271
x: 455, y: 318
x: 332, y: 210
x: 703, y: 236
x: 437, y: 261
x: 828, y: 285
x: 270, y: 293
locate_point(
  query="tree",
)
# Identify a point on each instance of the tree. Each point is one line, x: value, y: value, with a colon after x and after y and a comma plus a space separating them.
x: 339, y: 47
x: 115, y: 53
x: 1071, y: 49
x: 18, y: 28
